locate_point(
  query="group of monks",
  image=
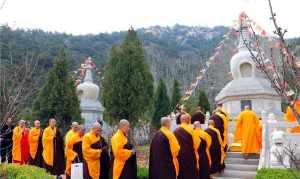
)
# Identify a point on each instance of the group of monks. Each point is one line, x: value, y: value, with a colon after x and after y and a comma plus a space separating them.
x: 192, y: 151
x: 189, y: 152
x: 50, y: 150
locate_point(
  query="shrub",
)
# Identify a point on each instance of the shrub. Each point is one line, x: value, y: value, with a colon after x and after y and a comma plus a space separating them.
x: 277, y: 174
x: 12, y: 171
x: 142, y: 173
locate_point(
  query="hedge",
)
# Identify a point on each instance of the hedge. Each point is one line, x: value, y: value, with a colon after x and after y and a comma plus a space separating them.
x: 268, y: 173
x: 142, y: 173
x: 13, y: 171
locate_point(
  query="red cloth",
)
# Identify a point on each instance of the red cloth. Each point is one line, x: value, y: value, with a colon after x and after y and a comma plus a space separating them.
x: 25, y: 146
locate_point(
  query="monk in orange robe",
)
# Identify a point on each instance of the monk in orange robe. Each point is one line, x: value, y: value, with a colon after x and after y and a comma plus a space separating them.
x: 124, y: 158
x: 92, y: 152
x: 164, y: 149
x: 203, y: 151
x: 53, y: 149
x: 74, y: 150
x: 290, y: 116
x: 247, y: 127
x: 35, y: 145
x: 188, y: 154
x: 17, y: 138
x: 25, y: 145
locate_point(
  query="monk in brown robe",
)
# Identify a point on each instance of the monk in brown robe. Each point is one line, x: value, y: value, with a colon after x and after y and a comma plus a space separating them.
x: 124, y: 158
x: 216, y: 149
x: 247, y: 130
x: 203, y: 151
x: 74, y: 150
x: 198, y: 115
x: 35, y: 145
x: 221, y: 112
x: 164, y: 149
x: 188, y: 155
x: 53, y: 149
x: 17, y: 147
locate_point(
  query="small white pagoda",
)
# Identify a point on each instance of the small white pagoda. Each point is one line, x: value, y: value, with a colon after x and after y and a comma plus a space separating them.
x: 249, y: 86
x: 88, y: 92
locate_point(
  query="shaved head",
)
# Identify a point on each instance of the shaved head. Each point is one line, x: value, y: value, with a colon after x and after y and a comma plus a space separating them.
x: 124, y: 126
x: 211, y: 122
x: 247, y: 107
x: 37, y: 124
x: 22, y: 123
x: 165, y: 122
x: 75, y: 126
x: 52, y: 122
x: 96, y: 128
x: 184, y: 118
x: 197, y: 125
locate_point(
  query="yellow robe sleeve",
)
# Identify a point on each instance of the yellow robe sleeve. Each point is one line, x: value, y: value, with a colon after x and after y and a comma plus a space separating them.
x: 48, y: 146
x: 70, y: 153
x: 90, y: 153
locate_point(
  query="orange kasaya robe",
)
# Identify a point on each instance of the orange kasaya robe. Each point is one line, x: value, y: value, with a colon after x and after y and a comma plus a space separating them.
x: 90, y: 155
x: 48, y: 145
x: 69, y: 134
x: 223, y: 154
x: 174, y: 147
x: 70, y: 153
x: 17, y: 148
x: 204, y: 136
x: 247, y: 127
x: 295, y: 129
x: 121, y: 155
x: 34, y: 135
x: 289, y: 115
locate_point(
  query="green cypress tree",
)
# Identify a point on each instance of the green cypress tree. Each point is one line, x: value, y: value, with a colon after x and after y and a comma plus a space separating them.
x: 203, y: 101
x: 175, y: 94
x: 57, y: 98
x: 161, y: 104
x: 128, y: 82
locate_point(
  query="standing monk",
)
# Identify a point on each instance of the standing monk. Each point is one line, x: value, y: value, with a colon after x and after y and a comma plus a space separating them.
x: 199, y: 116
x: 124, y: 158
x: 53, y: 149
x: 216, y: 148
x: 225, y: 117
x: 17, y: 138
x: 188, y: 155
x: 6, y: 134
x: 25, y: 144
x: 203, y: 151
x: 247, y: 128
x: 73, y: 130
x: 35, y: 145
x: 74, y: 150
x: 164, y: 149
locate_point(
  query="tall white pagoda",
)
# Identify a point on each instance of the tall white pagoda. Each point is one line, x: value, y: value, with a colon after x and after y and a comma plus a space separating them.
x: 249, y: 86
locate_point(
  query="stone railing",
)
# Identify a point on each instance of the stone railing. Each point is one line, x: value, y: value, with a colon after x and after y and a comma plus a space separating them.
x: 274, y: 140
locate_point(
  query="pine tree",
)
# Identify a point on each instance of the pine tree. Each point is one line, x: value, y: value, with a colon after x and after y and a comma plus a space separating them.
x: 203, y: 102
x: 128, y: 82
x: 175, y: 94
x: 161, y: 104
x: 57, y: 98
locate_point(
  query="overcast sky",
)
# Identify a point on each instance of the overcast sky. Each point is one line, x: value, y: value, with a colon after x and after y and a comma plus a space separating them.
x: 94, y: 16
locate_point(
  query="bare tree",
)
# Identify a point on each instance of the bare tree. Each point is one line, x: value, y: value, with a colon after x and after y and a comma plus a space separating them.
x: 17, y: 85
x: 281, y: 70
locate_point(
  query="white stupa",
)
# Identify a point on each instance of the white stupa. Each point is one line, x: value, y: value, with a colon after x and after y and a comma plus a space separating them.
x: 88, y: 92
x: 249, y: 86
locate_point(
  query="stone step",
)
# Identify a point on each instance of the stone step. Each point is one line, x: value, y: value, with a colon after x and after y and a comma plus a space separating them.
x: 238, y: 174
x: 239, y: 155
x: 241, y: 161
x: 240, y: 167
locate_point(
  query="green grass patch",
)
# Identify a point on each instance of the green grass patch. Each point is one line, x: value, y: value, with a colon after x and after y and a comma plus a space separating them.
x: 268, y: 173
x: 12, y: 171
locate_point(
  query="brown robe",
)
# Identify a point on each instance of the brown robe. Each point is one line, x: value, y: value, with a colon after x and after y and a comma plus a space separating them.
x: 186, y: 156
x: 219, y: 124
x: 203, y: 160
x: 38, y: 159
x: 161, y: 162
x: 104, y: 160
x: 59, y: 156
x: 215, y: 152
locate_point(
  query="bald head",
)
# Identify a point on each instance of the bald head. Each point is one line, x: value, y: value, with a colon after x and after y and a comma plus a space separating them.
x: 184, y: 118
x: 37, y: 124
x: 22, y: 123
x: 247, y: 107
x: 165, y: 122
x: 96, y: 128
x: 81, y: 130
x: 211, y: 122
x: 124, y: 126
x: 75, y: 126
x: 197, y: 125
x: 52, y: 122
